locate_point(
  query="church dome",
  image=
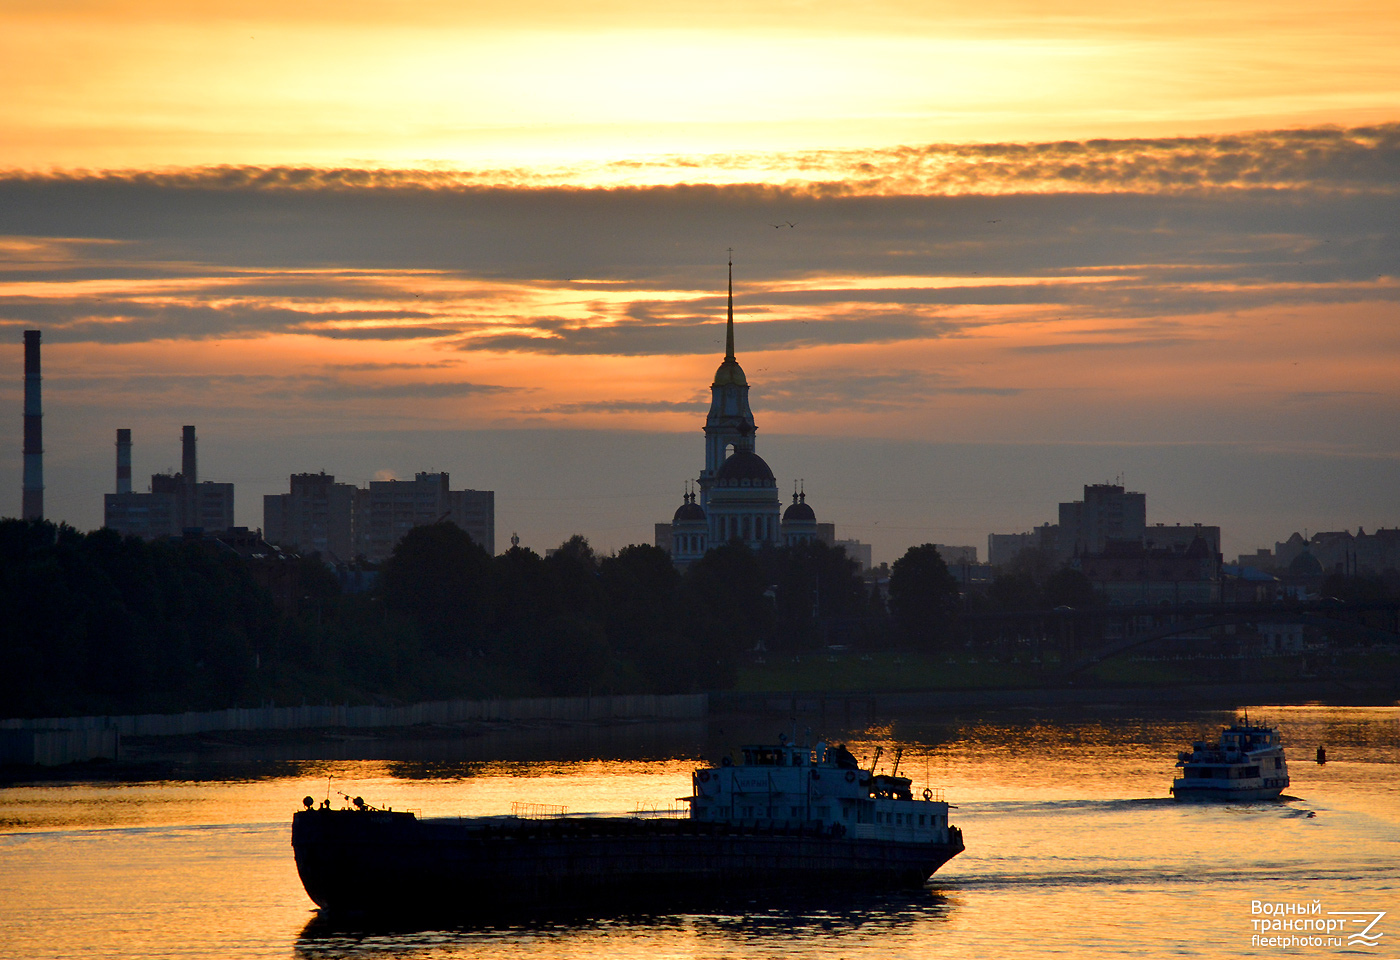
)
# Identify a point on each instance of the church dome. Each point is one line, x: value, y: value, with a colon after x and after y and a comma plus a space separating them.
x: 730, y: 374
x: 745, y: 465
x: 689, y: 512
x: 799, y: 512
x: 1305, y: 565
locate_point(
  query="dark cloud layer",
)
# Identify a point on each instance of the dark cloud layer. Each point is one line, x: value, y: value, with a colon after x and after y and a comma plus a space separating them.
x: 268, y: 387
x: 890, y: 391
x: 641, y: 339
x: 1359, y: 159
x: 1165, y: 227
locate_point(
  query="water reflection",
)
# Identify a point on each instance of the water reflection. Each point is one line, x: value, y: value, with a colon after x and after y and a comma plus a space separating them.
x: 479, y: 742
x: 790, y: 925
x: 1073, y: 844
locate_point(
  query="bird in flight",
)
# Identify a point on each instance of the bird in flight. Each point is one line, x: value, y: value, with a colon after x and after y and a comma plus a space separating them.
x: 786, y: 223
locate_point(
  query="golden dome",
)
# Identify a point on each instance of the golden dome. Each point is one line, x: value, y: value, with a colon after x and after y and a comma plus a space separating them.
x: 730, y: 374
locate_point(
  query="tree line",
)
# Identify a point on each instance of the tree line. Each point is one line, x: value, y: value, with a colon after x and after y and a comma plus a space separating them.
x: 98, y: 623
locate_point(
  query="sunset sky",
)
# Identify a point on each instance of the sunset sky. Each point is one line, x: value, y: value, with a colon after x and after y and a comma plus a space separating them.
x: 983, y: 254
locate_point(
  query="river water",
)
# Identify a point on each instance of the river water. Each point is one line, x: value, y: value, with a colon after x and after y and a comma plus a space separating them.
x: 1073, y: 846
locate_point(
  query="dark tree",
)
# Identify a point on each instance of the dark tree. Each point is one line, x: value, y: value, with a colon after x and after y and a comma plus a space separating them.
x: 1070, y: 588
x: 814, y: 585
x: 519, y: 592
x: 726, y: 610
x: 924, y: 597
x: 641, y: 598
x: 94, y: 623
x: 439, y: 578
x: 571, y: 657
x: 1032, y: 563
x: 572, y: 574
x: 1014, y: 591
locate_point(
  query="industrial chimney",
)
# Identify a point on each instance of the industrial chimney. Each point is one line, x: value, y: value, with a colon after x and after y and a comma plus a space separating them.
x: 188, y: 465
x: 33, y: 505
x: 124, y: 460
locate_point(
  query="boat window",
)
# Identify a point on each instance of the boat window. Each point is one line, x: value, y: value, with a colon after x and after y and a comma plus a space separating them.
x: 921, y: 819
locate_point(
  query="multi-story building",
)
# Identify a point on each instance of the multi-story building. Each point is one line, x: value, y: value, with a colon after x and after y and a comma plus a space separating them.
x: 1340, y: 551
x: 388, y: 509
x: 1107, y: 512
x: 144, y: 515
x: 317, y: 515
x: 1002, y: 548
x: 341, y: 521
x: 952, y: 554
x: 859, y: 552
x: 1180, y: 535
x: 176, y: 502
x: 1130, y: 573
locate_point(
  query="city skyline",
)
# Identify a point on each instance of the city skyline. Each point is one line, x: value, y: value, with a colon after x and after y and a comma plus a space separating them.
x: 980, y: 260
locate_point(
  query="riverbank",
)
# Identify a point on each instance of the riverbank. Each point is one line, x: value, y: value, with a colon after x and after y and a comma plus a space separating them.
x: 717, y: 716
x: 843, y: 706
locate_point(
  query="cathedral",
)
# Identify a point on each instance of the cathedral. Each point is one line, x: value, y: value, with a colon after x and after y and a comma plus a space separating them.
x: 737, y: 496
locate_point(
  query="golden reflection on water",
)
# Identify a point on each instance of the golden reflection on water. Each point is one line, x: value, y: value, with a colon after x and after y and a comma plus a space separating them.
x: 1073, y: 845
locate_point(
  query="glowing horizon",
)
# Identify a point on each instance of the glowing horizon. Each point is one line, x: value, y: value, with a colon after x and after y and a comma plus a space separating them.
x: 141, y: 84
x: 997, y: 228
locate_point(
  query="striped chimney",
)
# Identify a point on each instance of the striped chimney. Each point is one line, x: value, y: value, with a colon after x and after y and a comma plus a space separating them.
x: 33, y: 503
x: 124, y: 460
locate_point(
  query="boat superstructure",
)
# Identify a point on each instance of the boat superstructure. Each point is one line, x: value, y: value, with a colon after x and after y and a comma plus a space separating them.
x: 791, y: 784
x: 1246, y: 763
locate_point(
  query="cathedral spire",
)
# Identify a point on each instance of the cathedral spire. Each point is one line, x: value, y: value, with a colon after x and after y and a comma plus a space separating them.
x: 729, y: 336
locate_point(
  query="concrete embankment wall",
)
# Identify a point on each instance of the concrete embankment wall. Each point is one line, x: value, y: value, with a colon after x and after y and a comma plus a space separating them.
x: 50, y: 748
x: 634, y: 707
x: 854, y: 707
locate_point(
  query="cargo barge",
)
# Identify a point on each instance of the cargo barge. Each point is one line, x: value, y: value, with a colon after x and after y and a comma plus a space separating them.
x: 783, y: 819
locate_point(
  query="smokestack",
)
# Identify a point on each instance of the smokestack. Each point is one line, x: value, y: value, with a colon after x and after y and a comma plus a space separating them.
x: 33, y: 505
x: 188, y: 465
x: 124, y: 460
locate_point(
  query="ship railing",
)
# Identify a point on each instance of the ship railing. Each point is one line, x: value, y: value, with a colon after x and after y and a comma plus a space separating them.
x: 537, y: 811
x: 643, y: 810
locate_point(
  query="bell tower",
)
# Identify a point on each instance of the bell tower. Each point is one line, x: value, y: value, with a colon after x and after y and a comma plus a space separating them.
x: 730, y: 421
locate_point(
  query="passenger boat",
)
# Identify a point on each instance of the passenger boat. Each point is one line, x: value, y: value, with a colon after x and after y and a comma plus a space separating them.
x: 1246, y: 763
x: 784, y: 818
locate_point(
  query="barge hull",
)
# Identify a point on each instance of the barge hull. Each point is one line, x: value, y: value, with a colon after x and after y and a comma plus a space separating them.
x: 355, y: 862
